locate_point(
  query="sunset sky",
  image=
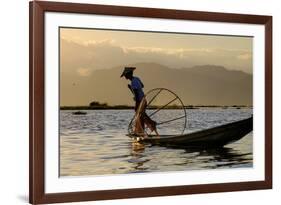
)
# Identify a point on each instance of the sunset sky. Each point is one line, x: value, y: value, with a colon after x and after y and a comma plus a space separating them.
x: 91, y: 62
x: 103, y: 49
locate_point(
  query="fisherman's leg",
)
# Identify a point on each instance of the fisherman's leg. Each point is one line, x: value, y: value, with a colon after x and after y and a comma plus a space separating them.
x: 139, y: 128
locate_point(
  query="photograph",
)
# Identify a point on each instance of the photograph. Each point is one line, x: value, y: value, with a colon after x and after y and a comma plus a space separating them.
x: 137, y: 102
x: 129, y: 102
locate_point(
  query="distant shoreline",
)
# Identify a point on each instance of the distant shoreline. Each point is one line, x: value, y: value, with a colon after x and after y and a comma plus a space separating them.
x: 127, y: 107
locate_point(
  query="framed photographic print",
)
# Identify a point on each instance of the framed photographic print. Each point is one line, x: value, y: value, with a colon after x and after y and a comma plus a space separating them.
x: 138, y: 102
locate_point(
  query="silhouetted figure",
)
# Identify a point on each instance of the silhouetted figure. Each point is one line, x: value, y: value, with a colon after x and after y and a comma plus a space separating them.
x: 136, y: 88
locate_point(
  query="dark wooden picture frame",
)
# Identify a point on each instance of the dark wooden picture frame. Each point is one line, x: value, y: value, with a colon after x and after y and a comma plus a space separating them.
x: 37, y: 193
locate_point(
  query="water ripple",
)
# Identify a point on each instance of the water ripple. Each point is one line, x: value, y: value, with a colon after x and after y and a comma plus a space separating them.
x: 96, y: 144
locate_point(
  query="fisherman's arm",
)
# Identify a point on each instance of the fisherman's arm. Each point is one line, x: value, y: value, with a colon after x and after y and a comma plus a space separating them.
x: 134, y: 91
x: 136, y: 98
x: 136, y: 94
x: 130, y: 87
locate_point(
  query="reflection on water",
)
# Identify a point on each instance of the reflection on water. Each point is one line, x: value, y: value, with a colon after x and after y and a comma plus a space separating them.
x: 96, y: 144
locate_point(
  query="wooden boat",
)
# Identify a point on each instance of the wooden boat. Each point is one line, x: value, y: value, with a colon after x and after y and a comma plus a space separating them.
x: 212, y: 137
x: 79, y: 113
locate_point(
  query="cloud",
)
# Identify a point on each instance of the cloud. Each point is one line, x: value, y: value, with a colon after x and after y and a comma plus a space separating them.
x: 93, y: 43
x: 83, y: 57
x: 245, y: 56
x: 84, y: 72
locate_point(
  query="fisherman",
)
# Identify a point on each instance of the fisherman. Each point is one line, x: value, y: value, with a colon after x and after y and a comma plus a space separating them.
x: 136, y: 87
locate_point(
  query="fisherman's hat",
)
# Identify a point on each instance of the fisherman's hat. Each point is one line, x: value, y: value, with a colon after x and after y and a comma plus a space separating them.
x: 127, y: 70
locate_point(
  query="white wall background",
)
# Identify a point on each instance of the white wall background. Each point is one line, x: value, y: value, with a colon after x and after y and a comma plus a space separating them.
x: 14, y: 100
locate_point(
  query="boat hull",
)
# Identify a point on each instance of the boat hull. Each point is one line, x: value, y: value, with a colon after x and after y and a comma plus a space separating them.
x: 212, y: 137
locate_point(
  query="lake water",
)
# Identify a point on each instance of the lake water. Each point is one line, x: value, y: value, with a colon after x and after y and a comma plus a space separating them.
x: 96, y: 144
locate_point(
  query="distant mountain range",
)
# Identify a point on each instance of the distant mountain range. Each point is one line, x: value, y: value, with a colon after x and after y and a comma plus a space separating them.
x: 199, y: 85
